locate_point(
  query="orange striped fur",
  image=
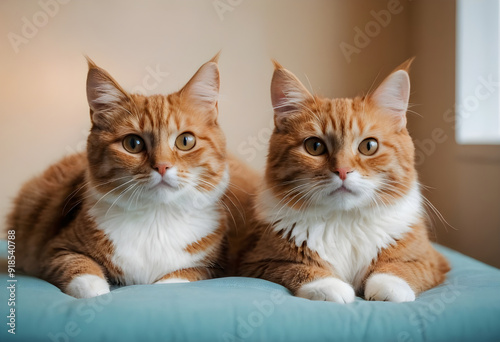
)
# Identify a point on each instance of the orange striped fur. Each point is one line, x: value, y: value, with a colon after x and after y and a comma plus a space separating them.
x: 342, y: 222
x: 110, y: 216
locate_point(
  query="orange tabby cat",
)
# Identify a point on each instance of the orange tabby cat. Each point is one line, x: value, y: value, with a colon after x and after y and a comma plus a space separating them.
x: 340, y: 211
x: 143, y: 204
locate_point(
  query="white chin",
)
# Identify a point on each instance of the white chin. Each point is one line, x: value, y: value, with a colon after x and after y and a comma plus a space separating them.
x: 166, y: 195
x: 346, y: 200
x: 158, y: 195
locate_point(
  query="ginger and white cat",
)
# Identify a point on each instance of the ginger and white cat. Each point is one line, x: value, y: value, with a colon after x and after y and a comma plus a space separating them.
x: 143, y: 204
x: 341, y: 212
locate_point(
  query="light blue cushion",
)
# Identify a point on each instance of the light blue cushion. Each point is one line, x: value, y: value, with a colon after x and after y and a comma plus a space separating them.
x: 465, y: 308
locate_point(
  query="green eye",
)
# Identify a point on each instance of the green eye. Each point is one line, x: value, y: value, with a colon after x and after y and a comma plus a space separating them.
x: 185, y: 141
x: 133, y: 144
x: 368, y: 147
x: 314, y: 146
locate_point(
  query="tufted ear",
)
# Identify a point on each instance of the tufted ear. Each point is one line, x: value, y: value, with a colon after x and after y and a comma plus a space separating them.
x: 202, y: 90
x: 287, y: 94
x: 103, y: 92
x: 393, y: 94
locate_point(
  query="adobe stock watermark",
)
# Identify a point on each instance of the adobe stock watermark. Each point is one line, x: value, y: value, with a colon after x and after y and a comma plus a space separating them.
x: 223, y: 6
x: 31, y: 26
x: 430, y: 312
x: 364, y: 36
x: 11, y: 281
x: 151, y: 80
x: 254, y: 144
x: 88, y: 310
x: 247, y: 325
x: 463, y: 110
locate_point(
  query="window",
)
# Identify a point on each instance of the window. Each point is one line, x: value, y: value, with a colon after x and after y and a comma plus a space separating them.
x: 478, y: 72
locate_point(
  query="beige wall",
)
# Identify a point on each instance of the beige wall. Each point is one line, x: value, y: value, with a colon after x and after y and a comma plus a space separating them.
x: 45, y: 115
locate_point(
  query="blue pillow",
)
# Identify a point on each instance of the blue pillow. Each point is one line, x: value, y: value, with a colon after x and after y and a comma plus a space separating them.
x: 465, y: 308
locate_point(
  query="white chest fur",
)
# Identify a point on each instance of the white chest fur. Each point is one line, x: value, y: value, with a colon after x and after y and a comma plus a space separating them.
x: 348, y: 240
x: 150, y: 242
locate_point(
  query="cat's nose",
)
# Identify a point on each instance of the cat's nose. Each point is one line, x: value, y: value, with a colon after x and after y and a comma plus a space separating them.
x: 162, y: 168
x: 342, y: 172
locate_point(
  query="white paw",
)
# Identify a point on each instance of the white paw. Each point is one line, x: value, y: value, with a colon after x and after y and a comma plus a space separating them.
x: 87, y: 286
x: 387, y: 287
x: 172, y: 281
x: 329, y: 289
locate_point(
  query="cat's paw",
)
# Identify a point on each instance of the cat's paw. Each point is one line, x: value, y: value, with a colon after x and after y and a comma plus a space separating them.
x: 172, y: 281
x: 87, y: 286
x: 387, y: 287
x: 328, y: 289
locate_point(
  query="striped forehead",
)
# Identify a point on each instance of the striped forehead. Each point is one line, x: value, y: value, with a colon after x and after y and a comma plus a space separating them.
x: 157, y: 116
x: 345, y: 119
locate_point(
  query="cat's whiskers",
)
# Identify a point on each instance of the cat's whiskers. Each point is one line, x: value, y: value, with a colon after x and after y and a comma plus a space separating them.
x: 220, y: 201
x: 138, y: 196
x: 118, y: 198
x: 268, y: 188
x: 426, y: 187
x: 235, y: 196
x: 436, y: 212
x: 131, y: 197
x: 304, y: 195
x: 314, y: 186
x: 426, y: 202
x: 71, y: 195
x: 319, y: 193
x: 74, y: 192
x: 415, y: 113
x: 289, y: 193
x: 110, y: 191
x: 89, y: 192
x: 224, y: 195
x: 440, y: 216
x: 387, y: 188
x: 306, y: 203
x: 373, y: 84
x: 376, y: 201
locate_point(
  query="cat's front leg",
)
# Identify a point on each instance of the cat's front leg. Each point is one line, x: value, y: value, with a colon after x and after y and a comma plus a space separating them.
x: 186, y: 275
x: 388, y: 287
x: 305, y: 281
x: 328, y: 289
x: 403, y: 271
x: 76, y: 275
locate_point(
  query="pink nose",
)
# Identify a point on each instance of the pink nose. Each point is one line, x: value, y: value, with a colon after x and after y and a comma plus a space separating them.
x: 162, y: 168
x: 342, y: 172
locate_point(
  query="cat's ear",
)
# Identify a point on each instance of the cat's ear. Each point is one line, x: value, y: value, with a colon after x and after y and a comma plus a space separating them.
x: 287, y: 94
x: 202, y: 90
x: 393, y: 94
x: 103, y: 92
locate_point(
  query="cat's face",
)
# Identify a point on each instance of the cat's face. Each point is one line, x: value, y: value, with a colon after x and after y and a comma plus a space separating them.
x: 341, y: 153
x: 157, y: 149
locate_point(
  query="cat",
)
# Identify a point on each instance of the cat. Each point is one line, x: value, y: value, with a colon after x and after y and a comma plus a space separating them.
x: 340, y: 211
x: 143, y: 204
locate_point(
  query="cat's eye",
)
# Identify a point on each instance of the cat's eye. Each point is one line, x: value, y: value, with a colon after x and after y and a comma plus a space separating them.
x: 185, y: 141
x: 133, y: 143
x: 314, y: 146
x: 368, y: 147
